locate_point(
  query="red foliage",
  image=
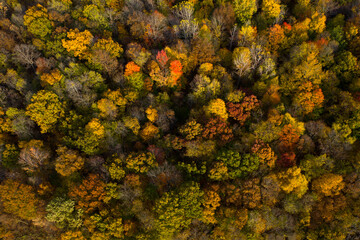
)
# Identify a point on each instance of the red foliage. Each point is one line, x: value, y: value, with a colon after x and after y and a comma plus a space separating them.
x: 287, y: 26
x: 321, y: 42
x: 158, y: 153
x: 162, y: 58
x: 286, y: 160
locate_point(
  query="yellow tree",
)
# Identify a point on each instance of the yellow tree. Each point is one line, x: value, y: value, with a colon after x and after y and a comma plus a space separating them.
x: 45, y: 109
x: 271, y: 9
x: 328, y: 184
x: 217, y: 107
x: 291, y: 180
x: 78, y: 43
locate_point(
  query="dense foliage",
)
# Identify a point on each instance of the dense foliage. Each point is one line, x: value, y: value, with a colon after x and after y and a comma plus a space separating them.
x: 184, y: 120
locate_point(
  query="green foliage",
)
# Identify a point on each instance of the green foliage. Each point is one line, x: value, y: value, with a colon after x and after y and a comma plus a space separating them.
x: 10, y: 156
x: 244, y: 9
x: 175, y: 210
x: 62, y: 212
x: 230, y: 164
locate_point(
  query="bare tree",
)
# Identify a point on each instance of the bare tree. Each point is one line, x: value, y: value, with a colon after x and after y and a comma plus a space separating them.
x: 25, y: 54
x: 33, y: 157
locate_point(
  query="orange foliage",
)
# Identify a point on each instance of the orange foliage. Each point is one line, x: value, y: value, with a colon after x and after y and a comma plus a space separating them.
x: 241, y: 111
x: 212, y: 201
x: 308, y: 98
x: 175, y: 72
x: 18, y: 199
x: 289, y: 137
x: 264, y: 152
x: 131, y: 68
x: 90, y: 194
x: 276, y: 37
x: 218, y: 128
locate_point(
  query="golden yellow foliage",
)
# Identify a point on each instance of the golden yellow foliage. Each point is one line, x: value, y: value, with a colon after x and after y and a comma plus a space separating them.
x: 151, y: 114
x: 113, y: 48
x: 328, y: 184
x: 149, y: 131
x: 217, y: 107
x: 78, y: 43
x: 95, y: 127
x: 52, y: 77
x: 211, y: 202
x: 291, y: 180
x: 271, y: 8
x: 72, y: 235
x: 132, y: 123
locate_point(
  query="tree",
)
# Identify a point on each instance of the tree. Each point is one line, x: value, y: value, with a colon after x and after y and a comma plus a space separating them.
x: 62, y: 212
x: 217, y: 108
x: 33, y: 155
x: 140, y: 163
x: 271, y: 9
x: 242, y: 61
x: 308, y: 98
x: 244, y: 9
x: 242, y: 111
x: 165, y: 73
x: 25, y: 54
x: 211, y: 202
x: 108, y: 45
x: 68, y: 161
x: 276, y: 38
x: 78, y: 43
x: 52, y: 77
x: 138, y: 54
x: 10, y: 156
x: 292, y: 180
x: 328, y: 184
x: 37, y: 21
x: 19, y: 199
x: 45, y: 109
x: 230, y: 165
x: 191, y: 130
x: 217, y: 128
x: 96, y: 16
x: 175, y: 210
x: 250, y: 194
x: 264, y: 152
x: 72, y: 235
x: 90, y: 194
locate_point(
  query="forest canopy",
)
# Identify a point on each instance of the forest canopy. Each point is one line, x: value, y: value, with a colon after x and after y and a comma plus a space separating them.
x: 179, y: 120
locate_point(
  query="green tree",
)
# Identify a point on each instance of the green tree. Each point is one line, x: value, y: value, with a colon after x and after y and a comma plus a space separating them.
x: 37, y: 21
x: 230, y: 164
x: 175, y: 210
x: 62, y: 212
x: 244, y: 9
